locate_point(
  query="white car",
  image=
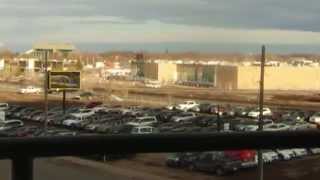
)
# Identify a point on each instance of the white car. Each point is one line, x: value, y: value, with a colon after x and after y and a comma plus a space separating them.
x: 143, y: 130
x: 255, y: 113
x: 71, y: 121
x: 269, y: 156
x: 183, y: 117
x: 4, y: 106
x: 303, y: 126
x: 30, y: 90
x: 315, y: 118
x: 5, y: 125
x: 299, y: 152
x: 144, y: 121
x: 187, y: 105
x: 76, y: 118
x: 285, y: 154
x: 153, y: 84
x: 276, y: 127
x: 84, y: 113
x: 315, y: 150
x: 250, y: 128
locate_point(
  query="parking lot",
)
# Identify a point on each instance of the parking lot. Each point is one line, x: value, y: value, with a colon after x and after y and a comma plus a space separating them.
x: 186, y: 117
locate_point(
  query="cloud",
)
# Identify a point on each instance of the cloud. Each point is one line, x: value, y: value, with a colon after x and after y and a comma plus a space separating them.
x: 240, y: 21
x: 154, y: 31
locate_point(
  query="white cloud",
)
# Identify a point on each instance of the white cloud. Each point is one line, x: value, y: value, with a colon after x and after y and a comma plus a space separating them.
x: 154, y: 31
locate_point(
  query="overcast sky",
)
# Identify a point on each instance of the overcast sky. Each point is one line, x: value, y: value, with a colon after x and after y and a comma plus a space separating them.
x: 289, y: 22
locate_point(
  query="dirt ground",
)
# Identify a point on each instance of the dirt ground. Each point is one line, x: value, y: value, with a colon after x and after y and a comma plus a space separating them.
x: 304, y: 168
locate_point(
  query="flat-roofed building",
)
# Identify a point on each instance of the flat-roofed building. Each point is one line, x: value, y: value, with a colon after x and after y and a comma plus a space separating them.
x: 54, y: 49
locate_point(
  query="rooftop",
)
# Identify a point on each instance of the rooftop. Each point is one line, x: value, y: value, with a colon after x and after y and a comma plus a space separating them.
x: 54, y: 46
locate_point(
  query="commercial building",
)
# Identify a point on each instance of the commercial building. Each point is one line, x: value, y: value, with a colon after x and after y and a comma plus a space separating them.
x: 222, y: 77
x: 53, y: 49
x: 228, y: 77
x: 280, y: 78
x: 57, y: 53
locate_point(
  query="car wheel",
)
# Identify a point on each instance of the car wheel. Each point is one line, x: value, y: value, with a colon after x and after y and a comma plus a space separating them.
x: 281, y: 157
x: 219, y: 171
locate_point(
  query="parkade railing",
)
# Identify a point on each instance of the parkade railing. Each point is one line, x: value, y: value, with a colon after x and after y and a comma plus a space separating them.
x: 22, y: 151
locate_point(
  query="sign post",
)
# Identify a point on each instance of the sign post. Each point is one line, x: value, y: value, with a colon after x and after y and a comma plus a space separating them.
x: 64, y: 80
x: 64, y: 101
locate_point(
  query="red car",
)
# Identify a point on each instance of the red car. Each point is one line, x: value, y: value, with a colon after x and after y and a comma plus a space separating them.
x: 93, y: 104
x: 243, y: 155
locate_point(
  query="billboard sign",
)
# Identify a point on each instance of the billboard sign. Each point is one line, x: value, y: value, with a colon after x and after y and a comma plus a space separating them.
x: 64, y: 80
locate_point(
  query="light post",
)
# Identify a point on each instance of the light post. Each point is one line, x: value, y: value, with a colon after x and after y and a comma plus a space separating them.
x: 46, y: 90
x: 261, y: 101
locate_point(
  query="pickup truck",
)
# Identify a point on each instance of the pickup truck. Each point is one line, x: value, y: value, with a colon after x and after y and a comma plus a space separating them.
x: 30, y: 90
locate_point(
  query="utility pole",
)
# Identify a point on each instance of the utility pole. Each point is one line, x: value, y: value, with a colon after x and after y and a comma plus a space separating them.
x: 219, y: 123
x: 45, y: 90
x: 261, y: 102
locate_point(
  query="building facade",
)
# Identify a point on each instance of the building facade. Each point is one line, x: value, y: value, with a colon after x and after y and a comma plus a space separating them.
x: 227, y: 77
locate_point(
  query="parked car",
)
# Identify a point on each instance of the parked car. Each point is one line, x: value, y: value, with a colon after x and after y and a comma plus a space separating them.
x: 300, y: 152
x: 269, y: 156
x: 83, y: 113
x: 251, y: 128
x: 247, y: 157
x: 276, y: 127
x: 297, y: 116
x: 302, y: 126
x: 4, y: 106
x: 30, y: 90
x: 209, y: 108
x: 285, y: 154
x: 187, y: 105
x: 144, y: 121
x: 181, y: 159
x: 93, y: 104
x: 216, y: 162
x: 241, y: 111
x: 255, y: 113
x: 143, y: 130
x: 183, y: 117
x: 153, y: 84
x: 314, y: 150
x: 9, y: 124
x: 72, y: 120
x: 315, y: 118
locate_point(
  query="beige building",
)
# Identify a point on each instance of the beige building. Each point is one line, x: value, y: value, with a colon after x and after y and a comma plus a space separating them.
x: 236, y: 77
x: 163, y: 72
x: 222, y: 77
x: 280, y: 78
